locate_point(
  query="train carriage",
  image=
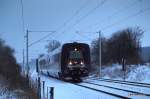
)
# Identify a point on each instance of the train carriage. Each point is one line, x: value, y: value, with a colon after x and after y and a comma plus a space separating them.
x: 73, y: 62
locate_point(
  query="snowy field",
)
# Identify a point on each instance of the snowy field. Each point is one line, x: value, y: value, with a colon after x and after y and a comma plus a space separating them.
x: 122, y: 89
x: 135, y: 73
x: 64, y: 90
x: 6, y: 93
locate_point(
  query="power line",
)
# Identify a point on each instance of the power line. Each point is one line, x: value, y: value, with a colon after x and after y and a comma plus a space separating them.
x: 65, y: 23
x: 22, y: 15
x: 116, y: 12
x: 119, y: 11
x: 101, y: 3
x: 86, y: 37
x: 44, y: 37
x: 40, y: 31
x: 130, y: 16
x: 126, y: 18
x: 87, y: 14
x: 75, y: 14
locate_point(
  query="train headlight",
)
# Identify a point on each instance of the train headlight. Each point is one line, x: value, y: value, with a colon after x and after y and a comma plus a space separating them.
x: 75, y: 49
x: 70, y: 63
x: 81, y: 63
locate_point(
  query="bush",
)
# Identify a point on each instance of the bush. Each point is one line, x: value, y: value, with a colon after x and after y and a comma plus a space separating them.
x: 122, y: 47
x: 11, y: 70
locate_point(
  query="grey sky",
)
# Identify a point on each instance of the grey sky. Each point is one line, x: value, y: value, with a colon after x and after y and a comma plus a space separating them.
x: 51, y: 15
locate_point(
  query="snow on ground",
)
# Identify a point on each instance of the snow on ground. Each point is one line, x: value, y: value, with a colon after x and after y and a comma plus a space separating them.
x: 64, y: 90
x: 135, y: 73
x: 6, y: 93
x: 140, y: 74
x: 118, y: 92
x: 142, y: 90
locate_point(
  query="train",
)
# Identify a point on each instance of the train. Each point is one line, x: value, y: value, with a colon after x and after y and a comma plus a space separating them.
x: 70, y: 62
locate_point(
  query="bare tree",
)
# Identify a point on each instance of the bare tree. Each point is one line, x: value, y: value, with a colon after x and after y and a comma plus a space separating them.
x: 95, y: 51
x: 125, y: 46
x: 52, y: 45
x: 8, y: 65
x: 122, y: 47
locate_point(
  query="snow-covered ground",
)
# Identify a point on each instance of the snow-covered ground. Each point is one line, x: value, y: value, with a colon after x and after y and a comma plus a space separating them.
x: 6, y: 93
x: 140, y: 74
x: 118, y: 88
x: 135, y: 73
x: 64, y: 90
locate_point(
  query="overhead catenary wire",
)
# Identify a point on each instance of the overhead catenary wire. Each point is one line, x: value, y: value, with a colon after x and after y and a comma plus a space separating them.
x: 47, y: 36
x: 41, y: 31
x: 22, y: 16
x: 126, y: 18
x: 130, y: 16
x: 119, y: 11
x: 101, y: 3
x: 64, y: 24
x: 86, y: 15
x: 74, y: 15
x: 44, y: 37
x: 116, y: 13
x: 81, y: 35
x: 23, y: 28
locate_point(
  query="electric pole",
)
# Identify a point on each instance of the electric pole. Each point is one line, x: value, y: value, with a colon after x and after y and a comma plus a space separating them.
x: 23, y: 61
x: 27, y: 46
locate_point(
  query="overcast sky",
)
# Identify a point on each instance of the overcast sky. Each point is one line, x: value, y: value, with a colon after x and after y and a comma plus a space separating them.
x: 66, y: 17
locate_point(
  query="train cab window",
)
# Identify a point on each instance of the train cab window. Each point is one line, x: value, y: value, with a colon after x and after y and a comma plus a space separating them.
x: 75, y: 55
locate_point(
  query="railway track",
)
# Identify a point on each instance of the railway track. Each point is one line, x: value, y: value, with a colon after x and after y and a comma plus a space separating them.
x: 124, y: 82
x: 102, y: 91
x: 95, y: 89
x: 110, y: 91
x: 130, y: 92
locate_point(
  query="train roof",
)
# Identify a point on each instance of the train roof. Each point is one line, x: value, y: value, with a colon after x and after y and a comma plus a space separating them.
x: 56, y: 51
x: 74, y: 44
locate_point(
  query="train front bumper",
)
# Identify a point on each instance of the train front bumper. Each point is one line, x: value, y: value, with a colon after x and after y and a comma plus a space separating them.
x: 80, y: 72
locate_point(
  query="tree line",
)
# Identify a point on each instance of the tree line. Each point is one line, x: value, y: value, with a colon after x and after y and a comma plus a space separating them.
x: 123, y: 47
x: 8, y: 65
x: 9, y: 68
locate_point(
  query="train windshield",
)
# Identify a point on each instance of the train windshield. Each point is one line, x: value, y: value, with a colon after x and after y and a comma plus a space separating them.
x: 75, y: 55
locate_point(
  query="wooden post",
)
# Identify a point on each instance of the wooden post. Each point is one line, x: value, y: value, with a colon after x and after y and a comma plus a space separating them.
x: 124, y: 68
x: 39, y: 88
x: 43, y: 89
x: 51, y: 92
x: 47, y: 92
x: 37, y: 66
